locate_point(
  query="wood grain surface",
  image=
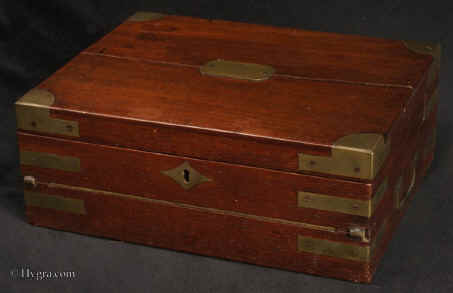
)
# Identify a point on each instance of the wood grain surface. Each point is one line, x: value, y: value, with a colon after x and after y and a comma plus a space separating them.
x: 249, y: 190
x: 294, y: 52
x: 213, y: 234
x: 140, y: 87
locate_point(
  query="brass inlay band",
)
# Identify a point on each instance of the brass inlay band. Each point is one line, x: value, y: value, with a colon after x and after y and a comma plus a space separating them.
x: 51, y: 161
x: 237, y: 70
x: 145, y: 16
x: 33, y: 114
x: 333, y: 248
x: 364, y: 208
x: 198, y: 208
x: 355, y: 252
x: 70, y: 205
x: 357, y: 155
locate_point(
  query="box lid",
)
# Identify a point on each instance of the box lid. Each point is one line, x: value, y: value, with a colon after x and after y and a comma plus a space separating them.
x: 255, y: 95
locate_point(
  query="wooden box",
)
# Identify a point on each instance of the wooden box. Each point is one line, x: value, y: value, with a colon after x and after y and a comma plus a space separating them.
x: 274, y: 146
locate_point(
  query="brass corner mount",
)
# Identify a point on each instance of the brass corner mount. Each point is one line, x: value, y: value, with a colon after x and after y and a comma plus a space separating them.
x: 357, y: 155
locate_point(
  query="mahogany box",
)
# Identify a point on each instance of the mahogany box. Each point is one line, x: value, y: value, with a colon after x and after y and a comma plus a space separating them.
x: 279, y: 147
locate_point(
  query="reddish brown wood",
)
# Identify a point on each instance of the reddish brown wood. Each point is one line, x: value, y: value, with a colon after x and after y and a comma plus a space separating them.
x: 192, y: 230
x: 143, y: 107
x: 146, y: 83
x: 240, y: 188
x: 403, y: 166
x: 280, y: 109
x: 153, y: 108
x: 258, y: 242
x: 308, y: 54
x: 248, y: 190
x: 396, y: 217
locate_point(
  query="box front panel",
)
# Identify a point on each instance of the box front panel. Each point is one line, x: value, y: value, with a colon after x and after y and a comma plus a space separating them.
x: 213, y: 232
x: 331, y: 203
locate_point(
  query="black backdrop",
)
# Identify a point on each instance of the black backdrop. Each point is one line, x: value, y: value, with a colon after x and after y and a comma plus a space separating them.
x: 37, y: 37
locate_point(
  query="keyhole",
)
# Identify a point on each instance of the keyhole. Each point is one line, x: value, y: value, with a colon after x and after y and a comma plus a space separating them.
x: 186, y: 176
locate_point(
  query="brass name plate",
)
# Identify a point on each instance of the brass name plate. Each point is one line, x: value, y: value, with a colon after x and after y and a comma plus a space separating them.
x: 33, y: 114
x: 237, y: 70
x: 355, y: 252
x: 357, y: 155
x: 50, y: 161
x: 364, y: 208
x: 70, y: 205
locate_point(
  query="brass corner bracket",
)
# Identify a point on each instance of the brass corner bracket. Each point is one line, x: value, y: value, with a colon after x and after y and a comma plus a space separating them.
x: 145, y: 16
x: 356, y: 155
x: 422, y: 47
x: 427, y: 48
x: 33, y: 114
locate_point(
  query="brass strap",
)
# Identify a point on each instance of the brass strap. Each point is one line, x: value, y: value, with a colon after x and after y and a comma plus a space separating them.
x: 357, y: 252
x: 193, y: 207
x: 51, y: 161
x: 364, y: 208
x: 69, y: 205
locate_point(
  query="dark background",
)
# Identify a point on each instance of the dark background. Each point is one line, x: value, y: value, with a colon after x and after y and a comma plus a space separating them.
x: 37, y: 37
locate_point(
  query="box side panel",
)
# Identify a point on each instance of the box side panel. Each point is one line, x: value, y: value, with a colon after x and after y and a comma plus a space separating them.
x: 392, y: 222
x: 404, y: 186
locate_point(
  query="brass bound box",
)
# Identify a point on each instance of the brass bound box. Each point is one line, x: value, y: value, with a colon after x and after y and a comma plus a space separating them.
x: 280, y: 147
